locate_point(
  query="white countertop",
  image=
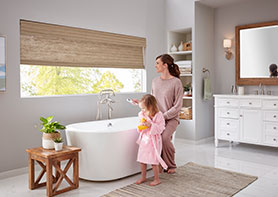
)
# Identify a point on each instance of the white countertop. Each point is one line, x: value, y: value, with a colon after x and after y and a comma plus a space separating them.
x: 246, y: 96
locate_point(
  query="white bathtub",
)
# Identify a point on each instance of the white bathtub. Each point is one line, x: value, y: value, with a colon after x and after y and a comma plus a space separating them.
x: 108, y: 152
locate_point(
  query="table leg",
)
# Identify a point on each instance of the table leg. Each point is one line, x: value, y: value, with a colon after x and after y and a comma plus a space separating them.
x: 49, y: 177
x: 31, y: 173
x: 76, y: 171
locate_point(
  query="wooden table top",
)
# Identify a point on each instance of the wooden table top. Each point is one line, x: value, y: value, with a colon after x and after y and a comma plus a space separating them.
x: 46, y: 153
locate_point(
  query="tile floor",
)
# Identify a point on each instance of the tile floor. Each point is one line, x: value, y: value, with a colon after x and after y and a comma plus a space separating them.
x: 260, y: 161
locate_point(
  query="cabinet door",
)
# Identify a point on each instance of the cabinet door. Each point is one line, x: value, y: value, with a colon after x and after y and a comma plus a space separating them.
x: 251, y: 125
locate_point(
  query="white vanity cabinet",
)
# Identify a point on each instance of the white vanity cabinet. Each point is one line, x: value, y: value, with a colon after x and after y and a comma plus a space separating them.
x: 249, y: 119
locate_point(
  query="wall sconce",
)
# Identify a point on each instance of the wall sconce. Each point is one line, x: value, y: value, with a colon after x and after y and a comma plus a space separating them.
x: 227, y: 44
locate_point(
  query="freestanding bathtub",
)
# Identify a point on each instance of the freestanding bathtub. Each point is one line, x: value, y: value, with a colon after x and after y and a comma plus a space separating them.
x: 109, y: 149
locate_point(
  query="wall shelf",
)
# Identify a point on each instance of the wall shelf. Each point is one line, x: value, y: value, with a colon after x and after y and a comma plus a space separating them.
x: 186, y: 75
x: 187, y: 97
x: 180, y: 53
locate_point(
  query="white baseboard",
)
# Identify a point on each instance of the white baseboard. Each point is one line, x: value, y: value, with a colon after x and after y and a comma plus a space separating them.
x: 15, y: 172
x: 202, y: 141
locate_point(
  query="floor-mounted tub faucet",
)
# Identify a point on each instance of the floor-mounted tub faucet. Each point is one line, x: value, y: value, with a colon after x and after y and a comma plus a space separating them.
x: 105, y: 98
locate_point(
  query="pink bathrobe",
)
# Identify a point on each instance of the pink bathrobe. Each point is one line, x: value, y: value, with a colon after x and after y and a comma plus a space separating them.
x: 150, y: 141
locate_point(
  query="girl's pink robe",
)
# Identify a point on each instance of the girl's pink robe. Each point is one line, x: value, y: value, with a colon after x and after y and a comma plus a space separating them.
x: 150, y: 141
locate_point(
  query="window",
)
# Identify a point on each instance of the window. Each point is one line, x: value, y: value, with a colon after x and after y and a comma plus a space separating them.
x: 62, y: 60
x: 58, y: 80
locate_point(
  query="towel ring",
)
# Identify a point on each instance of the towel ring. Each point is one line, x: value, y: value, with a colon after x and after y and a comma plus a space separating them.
x: 206, y: 70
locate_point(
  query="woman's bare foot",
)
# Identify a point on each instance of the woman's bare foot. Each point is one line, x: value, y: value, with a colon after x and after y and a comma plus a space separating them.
x: 171, y: 171
x: 155, y: 182
x: 142, y: 180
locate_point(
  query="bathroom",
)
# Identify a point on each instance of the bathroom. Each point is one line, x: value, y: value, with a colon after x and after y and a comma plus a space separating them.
x: 151, y: 19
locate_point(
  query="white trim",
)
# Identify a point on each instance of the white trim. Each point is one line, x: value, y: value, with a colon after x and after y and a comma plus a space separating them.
x: 202, y: 141
x: 15, y: 172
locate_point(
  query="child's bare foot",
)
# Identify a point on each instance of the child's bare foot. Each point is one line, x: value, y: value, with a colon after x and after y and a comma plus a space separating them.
x: 142, y: 180
x: 171, y: 171
x: 155, y: 182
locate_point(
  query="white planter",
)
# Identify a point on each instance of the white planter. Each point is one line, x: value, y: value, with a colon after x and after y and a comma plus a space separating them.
x: 47, y: 140
x: 58, y: 146
x: 47, y: 144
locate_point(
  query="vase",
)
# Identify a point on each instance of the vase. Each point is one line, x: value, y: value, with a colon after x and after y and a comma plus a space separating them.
x: 174, y: 48
x: 181, y: 46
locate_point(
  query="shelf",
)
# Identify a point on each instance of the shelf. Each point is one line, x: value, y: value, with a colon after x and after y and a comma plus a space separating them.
x: 180, y: 53
x: 185, y: 119
x: 186, y: 75
x: 187, y: 97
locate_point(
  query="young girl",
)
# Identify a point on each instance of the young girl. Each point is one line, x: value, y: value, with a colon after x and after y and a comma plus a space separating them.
x: 150, y: 142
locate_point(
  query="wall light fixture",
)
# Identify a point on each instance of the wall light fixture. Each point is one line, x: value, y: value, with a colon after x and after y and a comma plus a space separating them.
x: 227, y: 44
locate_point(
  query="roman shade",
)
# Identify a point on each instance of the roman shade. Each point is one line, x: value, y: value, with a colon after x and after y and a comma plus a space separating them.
x: 57, y: 45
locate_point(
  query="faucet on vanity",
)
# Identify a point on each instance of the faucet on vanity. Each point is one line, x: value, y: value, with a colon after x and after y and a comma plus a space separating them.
x: 105, y: 98
x: 261, y: 89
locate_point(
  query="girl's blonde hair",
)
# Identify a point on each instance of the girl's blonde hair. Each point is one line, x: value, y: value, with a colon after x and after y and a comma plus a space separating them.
x: 150, y: 103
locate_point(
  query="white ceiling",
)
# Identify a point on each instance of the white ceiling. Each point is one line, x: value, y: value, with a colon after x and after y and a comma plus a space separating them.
x: 219, y: 3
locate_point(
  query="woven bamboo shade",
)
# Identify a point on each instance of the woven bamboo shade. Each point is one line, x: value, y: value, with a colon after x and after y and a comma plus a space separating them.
x: 56, y: 45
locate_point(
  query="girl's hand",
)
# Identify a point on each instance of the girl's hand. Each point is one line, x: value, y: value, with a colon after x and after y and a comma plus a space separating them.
x: 147, y: 124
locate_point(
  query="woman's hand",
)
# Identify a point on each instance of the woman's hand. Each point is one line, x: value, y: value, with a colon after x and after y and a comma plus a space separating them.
x: 135, y: 101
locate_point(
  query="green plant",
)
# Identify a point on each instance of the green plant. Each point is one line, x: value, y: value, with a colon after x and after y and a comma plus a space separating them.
x: 50, y: 127
x: 187, y: 87
x: 58, y: 140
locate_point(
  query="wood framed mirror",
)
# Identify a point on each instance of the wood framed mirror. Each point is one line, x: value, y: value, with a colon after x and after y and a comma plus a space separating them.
x: 256, y: 50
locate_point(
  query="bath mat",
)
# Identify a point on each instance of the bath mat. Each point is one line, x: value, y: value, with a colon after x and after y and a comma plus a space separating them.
x: 190, y: 180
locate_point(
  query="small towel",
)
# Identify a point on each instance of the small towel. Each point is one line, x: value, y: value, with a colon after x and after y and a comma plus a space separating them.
x: 207, y: 89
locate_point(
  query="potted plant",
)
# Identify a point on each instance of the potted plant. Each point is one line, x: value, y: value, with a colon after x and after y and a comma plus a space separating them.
x: 58, y: 143
x: 50, y: 131
x: 187, y: 89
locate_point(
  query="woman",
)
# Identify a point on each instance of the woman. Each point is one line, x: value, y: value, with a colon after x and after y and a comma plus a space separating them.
x: 168, y: 91
x: 273, y: 70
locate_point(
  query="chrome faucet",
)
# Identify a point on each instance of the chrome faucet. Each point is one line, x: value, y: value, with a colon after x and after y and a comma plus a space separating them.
x: 261, y: 89
x: 105, y: 98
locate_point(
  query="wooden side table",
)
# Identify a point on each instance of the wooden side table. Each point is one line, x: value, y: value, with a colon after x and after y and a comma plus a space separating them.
x: 49, y: 158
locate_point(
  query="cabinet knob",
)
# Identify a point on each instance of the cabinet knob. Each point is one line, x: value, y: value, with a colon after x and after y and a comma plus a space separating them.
x: 250, y: 103
x: 274, y: 127
x: 228, y: 102
x: 274, y: 116
x: 274, y: 139
x: 228, y: 133
x: 240, y: 115
x: 274, y: 104
x: 228, y: 123
x: 228, y: 112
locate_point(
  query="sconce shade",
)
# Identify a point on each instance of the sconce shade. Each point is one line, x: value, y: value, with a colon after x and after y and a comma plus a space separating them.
x: 227, y: 43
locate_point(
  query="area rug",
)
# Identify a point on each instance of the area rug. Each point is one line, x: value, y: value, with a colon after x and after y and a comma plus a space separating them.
x: 189, y: 180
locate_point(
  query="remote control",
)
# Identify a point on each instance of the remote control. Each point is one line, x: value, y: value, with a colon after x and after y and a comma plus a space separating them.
x: 130, y: 101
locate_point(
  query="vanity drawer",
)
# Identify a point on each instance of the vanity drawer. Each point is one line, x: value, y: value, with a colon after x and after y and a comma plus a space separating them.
x: 250, y: 103
x: 271, y: 128
x: 228, y: 124
x: 227, y: 102
x: 229, y: 135
x: 272, y: 140
x: 228, y: 113
x: 271, y: 116
x: 270, y: 104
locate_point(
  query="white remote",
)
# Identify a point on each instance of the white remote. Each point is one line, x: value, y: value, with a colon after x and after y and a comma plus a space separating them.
x: 130, y: 101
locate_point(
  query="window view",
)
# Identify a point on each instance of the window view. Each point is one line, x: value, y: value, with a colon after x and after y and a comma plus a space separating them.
x: 57, y: 80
